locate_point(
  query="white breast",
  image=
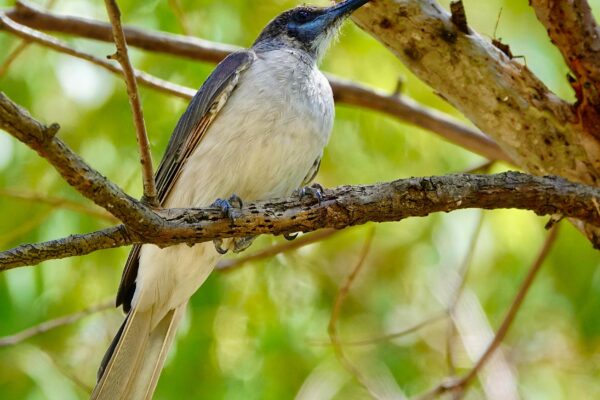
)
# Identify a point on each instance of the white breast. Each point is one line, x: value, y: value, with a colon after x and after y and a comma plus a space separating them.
x: 261, y: 145
x: 263, y: 142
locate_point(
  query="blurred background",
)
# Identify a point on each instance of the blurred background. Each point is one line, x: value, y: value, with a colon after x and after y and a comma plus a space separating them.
x: 260, y: 331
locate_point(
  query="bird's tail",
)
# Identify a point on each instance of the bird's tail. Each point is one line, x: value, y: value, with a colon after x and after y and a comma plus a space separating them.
x: 133, y: 362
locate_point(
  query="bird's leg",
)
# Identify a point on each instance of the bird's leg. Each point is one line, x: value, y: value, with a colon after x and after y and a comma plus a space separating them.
x: 314, y: 191
x: 242, y: 243
x: 228, y: 208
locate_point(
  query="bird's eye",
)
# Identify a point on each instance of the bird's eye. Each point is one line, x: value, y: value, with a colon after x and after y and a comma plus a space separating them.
x: 303, y: 16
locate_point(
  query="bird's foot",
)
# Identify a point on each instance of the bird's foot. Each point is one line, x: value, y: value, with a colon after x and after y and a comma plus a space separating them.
x: 290, y: 236
x: 219, y: 246
x: 237, y: 245
x: 229, y: 208
x: 314, y: 191
x: 241, y: 244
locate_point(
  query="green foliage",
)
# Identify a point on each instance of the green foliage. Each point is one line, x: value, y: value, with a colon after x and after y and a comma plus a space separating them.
x: 259, y: 332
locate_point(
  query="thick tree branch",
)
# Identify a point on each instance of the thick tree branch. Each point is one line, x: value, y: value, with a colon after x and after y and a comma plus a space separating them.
x: 89, y: 182
x: 344, y: 91
x: 122, y: 56
x: 499, y: 95
x: 341, y: 207
x: 573, y: 29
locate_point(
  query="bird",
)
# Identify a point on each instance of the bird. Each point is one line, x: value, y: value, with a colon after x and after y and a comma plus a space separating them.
x: 256, y: 129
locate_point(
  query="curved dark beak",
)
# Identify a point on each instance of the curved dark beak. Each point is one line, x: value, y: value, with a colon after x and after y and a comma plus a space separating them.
x: 342, y: 10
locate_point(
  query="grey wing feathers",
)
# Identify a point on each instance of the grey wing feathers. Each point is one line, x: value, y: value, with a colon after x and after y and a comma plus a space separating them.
x: 189, y: 131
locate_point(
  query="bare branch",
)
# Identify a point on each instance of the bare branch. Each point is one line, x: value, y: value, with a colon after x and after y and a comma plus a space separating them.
x: 183, y: 46
x: 12, y: 56
x: 412, y: 112
x: 341, y: 207
x: 40, y: 38
x: 122, y: 56
x: 335, y: 313
x: 463, y: 273
x: 17, y: 51
x: 73, y: 245
x: 462, y: 383
x: 344, y: 91
x: 73, y: 169
x: 53, y: 324
x: 390, y: 336
x: 181, y: 17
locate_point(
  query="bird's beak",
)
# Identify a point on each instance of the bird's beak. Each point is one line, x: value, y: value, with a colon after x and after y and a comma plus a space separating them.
x: 342, y: 10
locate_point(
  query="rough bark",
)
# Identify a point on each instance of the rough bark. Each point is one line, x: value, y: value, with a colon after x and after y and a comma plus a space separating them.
x: 541, y: 132
x: 573, y: 29
x: 340, y: 208
x: 89, y: 182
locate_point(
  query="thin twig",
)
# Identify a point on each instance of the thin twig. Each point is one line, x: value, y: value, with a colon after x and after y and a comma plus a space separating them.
x: 21, y: 47
x: 463, y: 274
x: 181, y: 17
x: 68, y: 373
x: 12, y: 56
x: 53, y: 324
x: 335, y: 313
x: 58, y: 202
x: 45, y: 40
x: 228, y: 265
x: 462, y: 383
x: 122, y: 56
x: 386, y: 338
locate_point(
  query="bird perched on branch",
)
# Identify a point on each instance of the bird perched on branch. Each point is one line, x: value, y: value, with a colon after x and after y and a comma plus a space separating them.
x: 257, y: 128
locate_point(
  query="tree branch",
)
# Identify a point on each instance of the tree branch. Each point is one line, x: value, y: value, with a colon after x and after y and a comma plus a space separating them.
x: 500, y: 96
x: 344, y: 91
x: 40, y: 38
x: 573, y: 29
x: 53, y: 324
x: 462, y: 383
x: 122, y: 56
x: 82, y: 177
x: 341, y: 207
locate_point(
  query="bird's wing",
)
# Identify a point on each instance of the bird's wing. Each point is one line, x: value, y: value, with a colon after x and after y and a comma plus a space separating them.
x: 188, y: 133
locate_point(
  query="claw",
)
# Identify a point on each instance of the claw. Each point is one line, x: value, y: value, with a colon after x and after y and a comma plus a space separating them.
x: 228, y: 206
x: 290, y: 236
x: 315, y: 191
x: 241, y: 244
x: 218, y: 243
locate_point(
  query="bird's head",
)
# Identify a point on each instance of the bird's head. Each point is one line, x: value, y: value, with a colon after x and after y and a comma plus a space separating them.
x: 307, y: 28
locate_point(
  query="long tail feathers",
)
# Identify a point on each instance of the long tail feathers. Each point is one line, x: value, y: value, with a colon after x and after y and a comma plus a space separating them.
x: 134, y: 360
